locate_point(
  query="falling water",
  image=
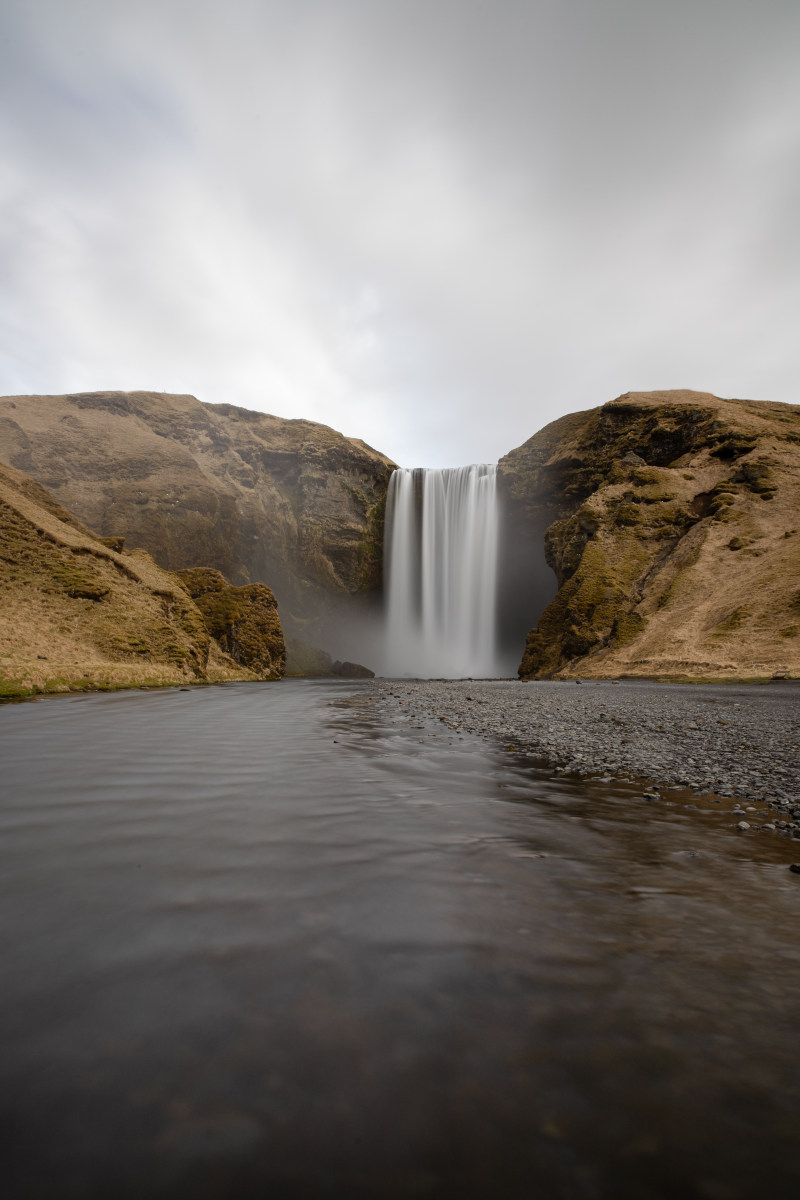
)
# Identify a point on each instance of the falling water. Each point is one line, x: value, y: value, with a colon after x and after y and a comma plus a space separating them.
x: 441, y: 561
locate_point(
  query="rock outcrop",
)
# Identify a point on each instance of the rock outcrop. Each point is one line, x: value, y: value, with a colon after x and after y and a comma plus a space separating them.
x: 256, y: 497
x: 673, y: 529
x: 309, y: 662
x: 243, y: 620
x: 78, y: 612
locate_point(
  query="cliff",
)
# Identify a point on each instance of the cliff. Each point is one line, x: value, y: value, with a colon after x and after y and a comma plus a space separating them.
x: 256, y: 497
x: 673, y: 529
x: 80, y: 613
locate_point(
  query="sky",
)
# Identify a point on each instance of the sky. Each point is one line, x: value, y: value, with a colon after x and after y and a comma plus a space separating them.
x: 436, y: 225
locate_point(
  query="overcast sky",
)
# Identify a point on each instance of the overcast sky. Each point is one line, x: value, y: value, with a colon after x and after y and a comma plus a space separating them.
x: 435, y: 225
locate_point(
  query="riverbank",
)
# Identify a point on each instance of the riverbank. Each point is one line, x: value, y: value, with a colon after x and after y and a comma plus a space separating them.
x: 734, y: 741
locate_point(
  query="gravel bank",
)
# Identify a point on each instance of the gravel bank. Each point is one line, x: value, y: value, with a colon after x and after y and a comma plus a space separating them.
x: 735, y: 741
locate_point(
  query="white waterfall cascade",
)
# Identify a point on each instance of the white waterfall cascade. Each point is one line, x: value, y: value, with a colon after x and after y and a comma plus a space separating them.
x: 441, y: 545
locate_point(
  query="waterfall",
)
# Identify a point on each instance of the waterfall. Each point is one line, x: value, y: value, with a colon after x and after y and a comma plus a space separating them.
x: 441, y: 565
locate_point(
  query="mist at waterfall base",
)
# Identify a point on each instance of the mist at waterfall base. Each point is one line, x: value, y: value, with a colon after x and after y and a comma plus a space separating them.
x: 462, y: 586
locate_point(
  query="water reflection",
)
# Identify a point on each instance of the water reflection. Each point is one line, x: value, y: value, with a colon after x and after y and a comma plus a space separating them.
x: 260, y: 942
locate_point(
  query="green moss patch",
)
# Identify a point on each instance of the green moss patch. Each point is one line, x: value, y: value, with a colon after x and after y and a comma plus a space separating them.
x: 244, y: 620
x: 732, y: 622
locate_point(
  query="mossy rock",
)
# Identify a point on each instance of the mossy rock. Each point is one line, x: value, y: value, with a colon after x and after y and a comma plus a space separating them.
x: 725, y: 485
x: 627, y: 626
x: 244, y: 620
x: 734, y: 446
x: 720, y: 503
x: 759, y: 478
x: 78, y: 582
x: 628, y: 514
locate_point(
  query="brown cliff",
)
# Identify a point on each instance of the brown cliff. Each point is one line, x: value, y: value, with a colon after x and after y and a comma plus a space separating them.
x: 254, y: 496
x: 77, y: 612
x: 673, y: 529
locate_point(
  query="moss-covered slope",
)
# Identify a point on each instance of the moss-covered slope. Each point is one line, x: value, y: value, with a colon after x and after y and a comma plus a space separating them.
x: 259, y: 498
x: 674, y: 535
x: 76, y: 612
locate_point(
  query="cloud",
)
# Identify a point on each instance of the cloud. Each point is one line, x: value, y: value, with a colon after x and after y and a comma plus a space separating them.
x: 434, y: 226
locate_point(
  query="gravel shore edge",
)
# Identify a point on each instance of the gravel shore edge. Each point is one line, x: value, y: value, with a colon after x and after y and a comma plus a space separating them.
x: 734, y: 741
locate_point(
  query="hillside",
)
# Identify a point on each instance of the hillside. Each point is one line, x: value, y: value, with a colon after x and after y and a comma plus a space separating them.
x: 673, y: 528
x: 78, y: 613
x: 259, y: 498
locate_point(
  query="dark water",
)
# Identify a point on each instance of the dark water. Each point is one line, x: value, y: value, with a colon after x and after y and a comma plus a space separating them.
x: 254, y: 943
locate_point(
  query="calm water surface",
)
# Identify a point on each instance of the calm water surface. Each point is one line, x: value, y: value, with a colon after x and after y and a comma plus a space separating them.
x: 255, y: 942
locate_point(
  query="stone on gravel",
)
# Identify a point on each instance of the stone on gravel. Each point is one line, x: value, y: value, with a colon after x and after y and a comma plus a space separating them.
x: 745, y: 737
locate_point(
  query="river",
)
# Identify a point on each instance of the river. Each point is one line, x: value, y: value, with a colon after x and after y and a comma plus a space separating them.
x: 258, y: 940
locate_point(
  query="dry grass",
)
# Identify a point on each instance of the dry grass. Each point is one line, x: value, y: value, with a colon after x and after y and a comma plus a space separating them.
x: 715, y: 589
x: 78, y: 615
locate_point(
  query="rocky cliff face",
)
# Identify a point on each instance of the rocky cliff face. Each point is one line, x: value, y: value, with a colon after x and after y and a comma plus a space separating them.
x: 80, y: 613
x: 673, y: 529
x: 256, y: 497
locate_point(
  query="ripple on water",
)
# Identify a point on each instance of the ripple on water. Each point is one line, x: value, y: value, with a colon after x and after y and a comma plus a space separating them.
x: 258, y: 943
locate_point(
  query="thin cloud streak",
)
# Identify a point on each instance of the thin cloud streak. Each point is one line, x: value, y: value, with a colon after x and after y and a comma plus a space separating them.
x: 435, y: 227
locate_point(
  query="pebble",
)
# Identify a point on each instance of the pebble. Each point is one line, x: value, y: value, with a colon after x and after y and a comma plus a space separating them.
x: 734, y: 741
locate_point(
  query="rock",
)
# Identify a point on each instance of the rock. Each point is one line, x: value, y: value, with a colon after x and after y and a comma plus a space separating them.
x: 637, y: 547
x: 307, y: 661
x: 351, y: 670
x: 244, y: 620
x: 795, y: 867
x: 291, y: 503
x: 743, y: 826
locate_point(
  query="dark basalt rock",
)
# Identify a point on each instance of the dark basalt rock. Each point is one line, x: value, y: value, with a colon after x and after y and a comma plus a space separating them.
x: 351, y: 670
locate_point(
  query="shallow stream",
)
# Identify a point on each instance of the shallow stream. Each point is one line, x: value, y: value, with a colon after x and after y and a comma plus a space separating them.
x: 258, y: 942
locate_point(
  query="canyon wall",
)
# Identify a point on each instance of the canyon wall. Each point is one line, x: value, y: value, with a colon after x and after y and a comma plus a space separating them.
x: 673, y: 528
x: 293, y: 504
x: 669, y: 521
